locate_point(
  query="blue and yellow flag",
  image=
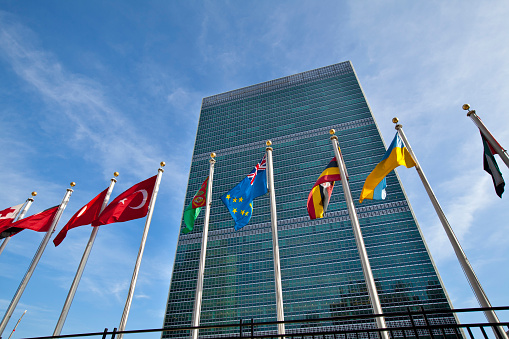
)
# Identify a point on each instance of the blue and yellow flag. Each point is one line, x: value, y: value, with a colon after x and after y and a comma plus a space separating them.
x: 239, y: 200
x: 396, y: 155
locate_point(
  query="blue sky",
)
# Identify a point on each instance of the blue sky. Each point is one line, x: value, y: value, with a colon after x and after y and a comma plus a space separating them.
x: 92, y: 87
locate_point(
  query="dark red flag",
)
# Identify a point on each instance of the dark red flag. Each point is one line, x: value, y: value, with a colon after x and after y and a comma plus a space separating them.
x: 84, y: 216
x: 132, y: 204
x: 8, y: 215
x: 39, y: 222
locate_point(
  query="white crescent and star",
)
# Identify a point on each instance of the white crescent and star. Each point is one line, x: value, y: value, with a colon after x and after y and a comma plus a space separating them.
x: 143, y: 202
x: 82, y: 211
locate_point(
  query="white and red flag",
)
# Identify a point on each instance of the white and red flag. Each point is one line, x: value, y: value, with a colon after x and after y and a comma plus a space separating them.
x: 7, y: 215
x: 40, y: 222
x: 85, y: 216
x: 132, y: 204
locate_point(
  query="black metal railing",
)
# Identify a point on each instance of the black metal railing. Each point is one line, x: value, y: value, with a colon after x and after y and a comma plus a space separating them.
x: 418, y: 324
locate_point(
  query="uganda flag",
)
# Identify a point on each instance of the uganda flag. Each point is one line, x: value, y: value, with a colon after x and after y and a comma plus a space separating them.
x: 193, y: 209
x: 319, y: 197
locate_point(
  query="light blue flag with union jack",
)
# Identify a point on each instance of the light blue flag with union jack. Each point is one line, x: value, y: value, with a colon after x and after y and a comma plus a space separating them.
x: 239, y: 200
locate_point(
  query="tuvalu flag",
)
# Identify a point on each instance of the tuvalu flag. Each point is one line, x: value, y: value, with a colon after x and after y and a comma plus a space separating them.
x: 396, y: 155
x: 318, y: 198
x: 39, y: 222
x: 193, y: 209
x: 239, y: 200
x: 129, y: 205
x: 9, y: 214
x: 490, y: 166
x: 85, y: 216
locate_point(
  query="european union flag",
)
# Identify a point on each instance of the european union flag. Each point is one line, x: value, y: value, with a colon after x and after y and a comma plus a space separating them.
x: 239, y: 200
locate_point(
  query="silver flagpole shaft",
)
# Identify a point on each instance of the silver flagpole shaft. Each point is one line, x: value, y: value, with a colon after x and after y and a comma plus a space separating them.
x: 130, y: 294
x: 21, y: 215
x: 275, y: 243
x: 462, y: 258
x: 35, y: 260
x: 484, y: 130
x: 366, y: 267
x: 203, y: 253
x: 83, y: 263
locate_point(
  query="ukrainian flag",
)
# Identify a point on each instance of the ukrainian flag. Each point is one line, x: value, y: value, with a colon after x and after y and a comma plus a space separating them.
x: 396, y: 155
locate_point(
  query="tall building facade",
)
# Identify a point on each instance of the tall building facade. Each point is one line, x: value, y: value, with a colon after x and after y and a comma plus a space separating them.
x: 320, y: 266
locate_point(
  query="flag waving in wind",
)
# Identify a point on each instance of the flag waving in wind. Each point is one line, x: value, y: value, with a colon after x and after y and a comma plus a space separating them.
x: 490, y: 166
x: 193, y: 209
x: 39, y: 222
x: 318, y: 198
x: 396, y: 155
x: 7, y: 215
x: 84, y: 216
x: 131, y: 204
x: 239, y: 200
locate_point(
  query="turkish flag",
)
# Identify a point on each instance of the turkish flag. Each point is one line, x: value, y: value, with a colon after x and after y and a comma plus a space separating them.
x: 8, y: 215
x: 84, y: 216
x: 39, y: 222
x: 132, y: 204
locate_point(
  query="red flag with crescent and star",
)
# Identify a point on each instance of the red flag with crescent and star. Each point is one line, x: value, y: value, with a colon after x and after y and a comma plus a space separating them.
x: 132, y: 204
x: 84, y: 216
x: 7, y: 215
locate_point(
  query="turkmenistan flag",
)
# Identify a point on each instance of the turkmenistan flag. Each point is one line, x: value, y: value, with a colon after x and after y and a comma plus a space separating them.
x: 193, y: 209
x: 490, y: 166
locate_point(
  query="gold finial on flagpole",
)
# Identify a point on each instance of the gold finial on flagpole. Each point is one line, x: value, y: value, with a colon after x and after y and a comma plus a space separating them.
x: 162, y: 164
x: 395, y: 120
x: 333, y: 136
x: 116, y: 174
x: 72, y: 184
x: 34, y: 193
x: 212, y: 155
x: 466, y: 107
x: 268, y: 143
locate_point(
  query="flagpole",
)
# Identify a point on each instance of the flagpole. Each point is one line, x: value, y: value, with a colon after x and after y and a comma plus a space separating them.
x: 366, y: 267
x: 484, y: 130
x: 21, y: 215
x: 130, y: 294
x: 462, y: 258
x: 203, y: 253
x: 81, y: 267
x: 275, y: 243
x: 36, y: 259
x: 19, y: 320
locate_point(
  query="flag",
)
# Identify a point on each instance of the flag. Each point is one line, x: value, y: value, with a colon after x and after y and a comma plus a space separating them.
x: 84, y: 216
x: 396, y: 155
x: 193, y: 209
x: 490, y: 166
x: 9, y: 214
x: 318, y: 198
x: 239, y: 200
x: 39, y: 222
x: 132, y: 204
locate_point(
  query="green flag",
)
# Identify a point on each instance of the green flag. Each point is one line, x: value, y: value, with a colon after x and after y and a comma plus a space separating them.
x: 193, y: 209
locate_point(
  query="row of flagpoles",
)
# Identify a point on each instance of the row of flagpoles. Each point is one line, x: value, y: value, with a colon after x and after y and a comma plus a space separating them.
x: 239, y: 202
x: 134, y: 203
x: 260, y: 181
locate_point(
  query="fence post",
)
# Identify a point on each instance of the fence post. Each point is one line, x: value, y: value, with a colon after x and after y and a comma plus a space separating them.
x: 412, y: 322
x: 240, y: 328
x: 427, y: 323
x: 104, y: 333
x: 252, y: 328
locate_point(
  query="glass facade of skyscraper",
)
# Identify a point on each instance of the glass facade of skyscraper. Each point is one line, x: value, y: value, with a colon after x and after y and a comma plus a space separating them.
x: 320, y: 266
